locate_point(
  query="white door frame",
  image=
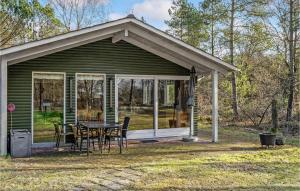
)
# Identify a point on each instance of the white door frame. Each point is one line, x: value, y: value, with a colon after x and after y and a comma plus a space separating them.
x: 32, y: 103
x: 146, y: 77
x: 104, y: 92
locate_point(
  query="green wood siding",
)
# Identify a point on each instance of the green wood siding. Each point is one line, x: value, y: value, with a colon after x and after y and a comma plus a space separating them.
x: 98, y: 57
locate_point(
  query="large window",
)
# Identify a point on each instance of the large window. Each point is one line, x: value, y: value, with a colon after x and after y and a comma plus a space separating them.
x: 153, y: 101
x: 90, y: 97
x: 135, y: 99
x: 172, y: 104
x: 48, y: 105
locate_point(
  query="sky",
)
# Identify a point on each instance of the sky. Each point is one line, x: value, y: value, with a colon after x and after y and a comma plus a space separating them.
x: 153, y: 11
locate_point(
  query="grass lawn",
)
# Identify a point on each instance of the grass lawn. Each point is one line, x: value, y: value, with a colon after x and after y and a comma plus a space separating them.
x: 236, y: 163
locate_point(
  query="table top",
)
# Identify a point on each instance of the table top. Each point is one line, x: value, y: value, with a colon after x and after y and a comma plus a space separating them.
x: 91, y: 125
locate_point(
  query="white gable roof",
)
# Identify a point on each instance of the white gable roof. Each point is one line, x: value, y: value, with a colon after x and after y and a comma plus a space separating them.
x: 127, y: 29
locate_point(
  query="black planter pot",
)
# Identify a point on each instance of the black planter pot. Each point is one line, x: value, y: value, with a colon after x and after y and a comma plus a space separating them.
x: 267, y: 139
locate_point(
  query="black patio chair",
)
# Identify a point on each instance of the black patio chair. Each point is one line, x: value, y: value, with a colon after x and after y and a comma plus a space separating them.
x: 83, y: 135
x: 124, y: 130
x: 117, y: 133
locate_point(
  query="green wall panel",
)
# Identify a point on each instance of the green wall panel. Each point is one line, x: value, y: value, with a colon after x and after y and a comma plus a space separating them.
x: 98, y: 57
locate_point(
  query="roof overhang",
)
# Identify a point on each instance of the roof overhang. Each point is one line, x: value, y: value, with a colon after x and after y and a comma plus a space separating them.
x: 130, y: 30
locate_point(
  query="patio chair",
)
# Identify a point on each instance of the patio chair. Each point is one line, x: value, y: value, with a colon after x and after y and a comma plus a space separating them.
x: 119, y: 133
x: 83, y: 135
x: 75, y: 131
x: 59, y: 132
x: 124, y: 130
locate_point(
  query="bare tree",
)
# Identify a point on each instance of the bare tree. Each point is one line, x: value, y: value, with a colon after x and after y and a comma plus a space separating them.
x: 284, y: 27
x: 76, y: 14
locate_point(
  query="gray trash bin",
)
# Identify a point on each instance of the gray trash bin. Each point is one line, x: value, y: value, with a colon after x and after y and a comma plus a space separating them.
x: 20, y: 143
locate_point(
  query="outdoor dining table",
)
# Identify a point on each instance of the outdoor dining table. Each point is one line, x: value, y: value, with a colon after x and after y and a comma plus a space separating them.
x: 103, y: 127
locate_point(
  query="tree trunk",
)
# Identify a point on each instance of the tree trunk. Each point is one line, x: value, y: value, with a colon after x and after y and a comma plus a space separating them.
x: 291, y: 79
x: 233, y: 77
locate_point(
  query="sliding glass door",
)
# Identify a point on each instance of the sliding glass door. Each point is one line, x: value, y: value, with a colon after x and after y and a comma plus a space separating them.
x: 48, y: 105
x: 90, y: 97
x: 156, y: 103
x: 172, y: 104
x: 135, y: 99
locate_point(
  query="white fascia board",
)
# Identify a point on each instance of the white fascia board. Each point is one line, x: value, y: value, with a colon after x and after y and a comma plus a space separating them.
x: 63, y: 36
x: 51, y: 51
x: 64, y: 44
x: 183, y: 44
x: 50, y: 45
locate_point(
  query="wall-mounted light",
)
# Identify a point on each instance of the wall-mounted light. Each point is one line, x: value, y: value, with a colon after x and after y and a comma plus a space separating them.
x: 110, y: 93
x: 71, y: 80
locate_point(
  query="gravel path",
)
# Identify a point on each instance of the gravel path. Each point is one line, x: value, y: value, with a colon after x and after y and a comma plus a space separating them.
x: 111, y: 179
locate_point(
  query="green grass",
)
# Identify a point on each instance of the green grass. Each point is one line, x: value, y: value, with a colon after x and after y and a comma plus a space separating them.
x: 237, y: 162
x: 43, y: 125
x: 144, y: 120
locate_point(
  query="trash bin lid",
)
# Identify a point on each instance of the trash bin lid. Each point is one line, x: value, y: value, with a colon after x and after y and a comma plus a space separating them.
x: 23, y: 131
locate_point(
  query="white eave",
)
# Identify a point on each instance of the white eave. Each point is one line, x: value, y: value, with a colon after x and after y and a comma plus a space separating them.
x: 130, y: 30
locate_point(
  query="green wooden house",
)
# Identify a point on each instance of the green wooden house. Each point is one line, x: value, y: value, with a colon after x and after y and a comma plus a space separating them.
x: 104, y: 73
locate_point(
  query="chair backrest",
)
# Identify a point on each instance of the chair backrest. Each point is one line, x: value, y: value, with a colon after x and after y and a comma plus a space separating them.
x: 74, y: 130
x: 82, y: 130
x: 125, y: 126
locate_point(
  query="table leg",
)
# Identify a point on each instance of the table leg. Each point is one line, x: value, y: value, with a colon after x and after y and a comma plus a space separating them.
x: 100, y: 140
x: 88, y: 141
x: 120, y: 141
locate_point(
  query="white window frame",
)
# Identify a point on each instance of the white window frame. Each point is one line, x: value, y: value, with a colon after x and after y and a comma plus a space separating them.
x: 145, y: 77
x: 32, y: 102
x: 104, y: 92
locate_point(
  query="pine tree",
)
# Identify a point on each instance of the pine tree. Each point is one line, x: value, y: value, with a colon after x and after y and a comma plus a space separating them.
x: 240, y: 15
x: 214, y: 13
x: 186, y: 23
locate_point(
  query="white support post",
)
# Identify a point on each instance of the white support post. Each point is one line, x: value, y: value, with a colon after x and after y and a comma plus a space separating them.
x: 155, y: 107
x: 215, y: 106
x: 3, y: 106
x: 192, y: 122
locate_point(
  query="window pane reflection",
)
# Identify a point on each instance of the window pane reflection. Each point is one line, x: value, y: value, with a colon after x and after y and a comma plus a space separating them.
x: 135, y: 98
x: 90, y: 97
x: 48, y: 105
x: 172, y: 104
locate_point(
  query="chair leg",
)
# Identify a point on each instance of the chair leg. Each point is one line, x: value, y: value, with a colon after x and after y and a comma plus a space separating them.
x: 75, y: 144
x: 99, y: 142
x: 80, y: 144
x: 58, y: 141
x: 93, y: 143
x: 120, y: 143
x: 55, y: 138
x: 108, y: 144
